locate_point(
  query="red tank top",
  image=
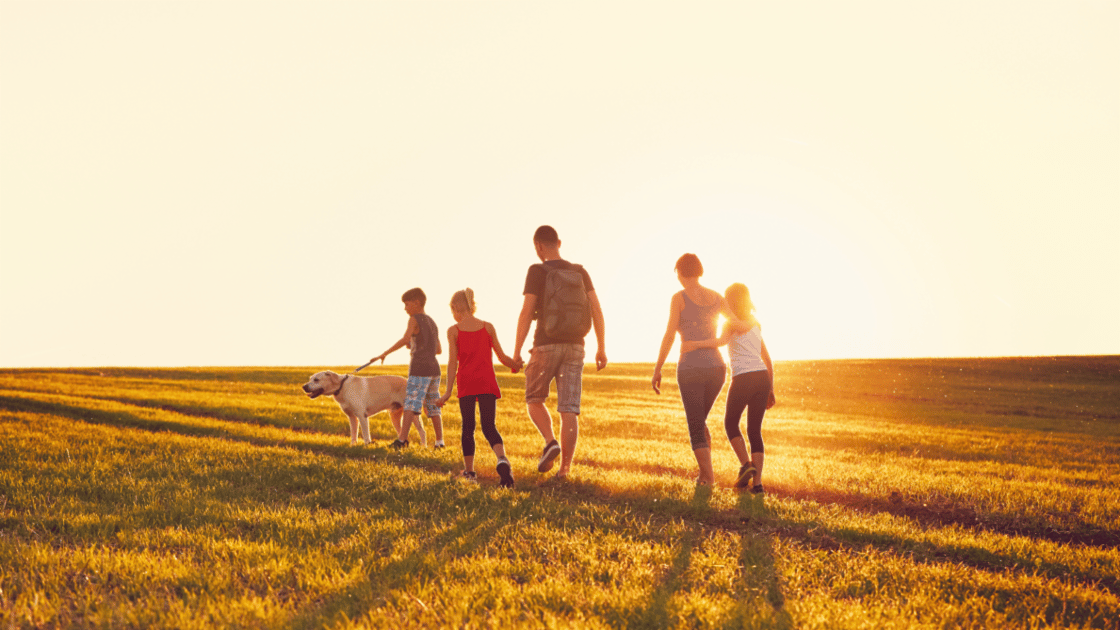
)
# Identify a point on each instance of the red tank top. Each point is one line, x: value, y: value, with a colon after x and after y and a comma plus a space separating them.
x: 476, y: 364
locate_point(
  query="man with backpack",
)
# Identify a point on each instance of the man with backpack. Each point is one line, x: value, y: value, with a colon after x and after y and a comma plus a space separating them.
x: 560, y: 296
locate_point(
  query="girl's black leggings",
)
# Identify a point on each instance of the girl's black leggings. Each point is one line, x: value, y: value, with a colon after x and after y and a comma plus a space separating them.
x: 487, y: 409
x: 749, y: 391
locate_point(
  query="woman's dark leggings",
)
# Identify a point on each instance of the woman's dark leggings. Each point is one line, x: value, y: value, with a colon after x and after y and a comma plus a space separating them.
x: 487, y: 408
x: 699, y: 389
x: 750, y: 391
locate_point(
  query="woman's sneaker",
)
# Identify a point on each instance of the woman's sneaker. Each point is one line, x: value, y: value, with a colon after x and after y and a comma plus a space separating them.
x: 504, y: 473
x: 758, y: 490
x: 746, y: 475
x: 399, y: 444
x: 548, y: 457
x: 469, y: 475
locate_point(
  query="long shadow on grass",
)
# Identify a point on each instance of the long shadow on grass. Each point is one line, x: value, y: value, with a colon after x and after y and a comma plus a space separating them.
x: 753, y: 518
x: 362, y: 597
x: 574, y: 492
x: 760, y: 574
x: 656, y: 614
x: 187, y: 428
x: 946, y: 512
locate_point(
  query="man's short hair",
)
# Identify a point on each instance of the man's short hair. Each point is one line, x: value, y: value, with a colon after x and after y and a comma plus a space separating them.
x: 415, y: 295
x: 689, y: 266
x: 546, y: 235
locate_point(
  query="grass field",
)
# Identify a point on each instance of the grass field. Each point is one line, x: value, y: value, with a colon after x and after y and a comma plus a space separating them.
x: 972, y: 493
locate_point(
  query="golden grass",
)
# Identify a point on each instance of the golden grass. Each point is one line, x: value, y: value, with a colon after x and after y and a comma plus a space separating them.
x: 219, y: 498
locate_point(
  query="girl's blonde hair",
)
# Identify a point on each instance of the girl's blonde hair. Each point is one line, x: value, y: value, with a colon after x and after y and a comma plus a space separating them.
x: 463, y: 301
x: 739, y: 299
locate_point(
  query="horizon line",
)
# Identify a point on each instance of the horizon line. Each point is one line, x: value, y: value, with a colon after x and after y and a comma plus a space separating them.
x: 616, y: 363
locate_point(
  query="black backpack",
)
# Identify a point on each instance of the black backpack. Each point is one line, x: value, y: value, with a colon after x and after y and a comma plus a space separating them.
x: 564, y: 311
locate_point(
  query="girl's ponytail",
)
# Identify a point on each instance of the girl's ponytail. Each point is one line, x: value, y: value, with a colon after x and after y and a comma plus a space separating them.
x: 463, y: 301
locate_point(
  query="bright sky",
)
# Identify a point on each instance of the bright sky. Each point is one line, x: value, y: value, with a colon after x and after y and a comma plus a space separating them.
x: 257, y: 183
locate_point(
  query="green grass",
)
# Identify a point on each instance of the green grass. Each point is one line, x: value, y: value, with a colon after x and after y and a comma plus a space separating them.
x: 976, y: 493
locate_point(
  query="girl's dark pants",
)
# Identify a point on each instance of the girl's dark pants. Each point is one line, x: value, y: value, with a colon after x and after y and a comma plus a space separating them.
x: 750, y: 391
x: 487, y: 407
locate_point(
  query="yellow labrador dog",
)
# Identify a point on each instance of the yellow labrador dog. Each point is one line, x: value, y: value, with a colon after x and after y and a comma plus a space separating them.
x: 361, y: 397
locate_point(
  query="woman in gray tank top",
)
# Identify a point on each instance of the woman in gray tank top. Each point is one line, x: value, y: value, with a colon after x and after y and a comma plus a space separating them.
x: 694, y: 314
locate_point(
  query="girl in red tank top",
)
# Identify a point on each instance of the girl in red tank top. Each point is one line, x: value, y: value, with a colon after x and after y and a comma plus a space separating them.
x: 470, y: 368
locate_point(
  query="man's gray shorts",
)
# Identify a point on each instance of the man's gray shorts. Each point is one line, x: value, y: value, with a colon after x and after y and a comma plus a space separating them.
x: 562, y: 361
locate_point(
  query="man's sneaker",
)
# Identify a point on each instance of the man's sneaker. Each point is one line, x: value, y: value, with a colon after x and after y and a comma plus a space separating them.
x: 398, y: 444
x: 758, y: 490
x: 504, y: 473
x: 548, y: 457
x: 746, y: 476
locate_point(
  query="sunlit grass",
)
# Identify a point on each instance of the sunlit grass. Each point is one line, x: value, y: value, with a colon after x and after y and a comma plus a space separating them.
x: 202, y: 498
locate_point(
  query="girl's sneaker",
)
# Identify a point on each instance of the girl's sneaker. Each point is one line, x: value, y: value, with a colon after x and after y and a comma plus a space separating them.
x: 758, y: 490
x: 440, y: 445
x: 746, y: 475
x: 504, y: 473
x: 399, y: 444
x: 469, y: 475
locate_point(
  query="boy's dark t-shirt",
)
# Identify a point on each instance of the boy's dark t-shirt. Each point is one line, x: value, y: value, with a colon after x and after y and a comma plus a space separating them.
x: 534, y: 285
x: 424, y: 361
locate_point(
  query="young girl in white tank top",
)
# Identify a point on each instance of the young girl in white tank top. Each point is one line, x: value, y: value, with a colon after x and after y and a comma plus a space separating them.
x: 752, y: 384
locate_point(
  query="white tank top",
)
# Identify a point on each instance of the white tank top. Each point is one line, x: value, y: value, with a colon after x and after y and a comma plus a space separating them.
x: 745, y: 351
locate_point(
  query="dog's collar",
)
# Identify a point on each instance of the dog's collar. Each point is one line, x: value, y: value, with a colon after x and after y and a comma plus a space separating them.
x: 340, y: 385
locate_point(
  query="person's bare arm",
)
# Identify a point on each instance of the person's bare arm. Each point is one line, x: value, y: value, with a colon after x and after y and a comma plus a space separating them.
x: 725, y: 309
x: 412, y: 329
x: 770, y: 368
x: 524, y: 321
x: 667, y: 339
x: 714, y: 342
x: 600, y: 326
x: 497, y: 345
x: 452, y: 364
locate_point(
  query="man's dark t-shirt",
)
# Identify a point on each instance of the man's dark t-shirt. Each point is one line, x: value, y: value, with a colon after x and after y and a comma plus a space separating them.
x: 534, y: 285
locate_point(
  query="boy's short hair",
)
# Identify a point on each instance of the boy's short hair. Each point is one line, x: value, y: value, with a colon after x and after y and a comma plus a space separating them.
x: 689, y: 266
x: 546, y: 235
x: 415, y: 295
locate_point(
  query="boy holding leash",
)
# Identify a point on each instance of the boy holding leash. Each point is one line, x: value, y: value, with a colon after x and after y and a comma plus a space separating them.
x: 422, y: 337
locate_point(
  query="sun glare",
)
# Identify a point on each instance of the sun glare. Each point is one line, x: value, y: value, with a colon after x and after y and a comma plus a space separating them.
x: 817, y: 286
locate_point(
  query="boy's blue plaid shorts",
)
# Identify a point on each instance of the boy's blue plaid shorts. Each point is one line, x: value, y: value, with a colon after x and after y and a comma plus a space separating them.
x: 422, y: 392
